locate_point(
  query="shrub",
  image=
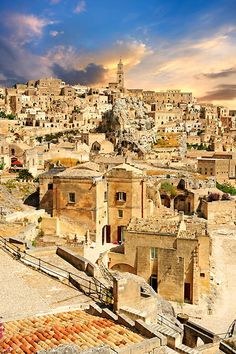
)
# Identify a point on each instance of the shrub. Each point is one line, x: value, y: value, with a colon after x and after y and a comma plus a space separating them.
x: 168, y: 188
x: 25, y: 175
x: 226, y: 188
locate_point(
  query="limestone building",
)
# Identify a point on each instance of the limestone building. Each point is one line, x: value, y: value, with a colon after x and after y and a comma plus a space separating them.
x: 126, y: 195
x: 221, y: 165
x: 96, y: 203
x: 78, y: 196
x: 171, y: 255
x: 118, y: 86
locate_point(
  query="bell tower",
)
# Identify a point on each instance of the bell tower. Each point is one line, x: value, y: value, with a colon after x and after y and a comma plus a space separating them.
x: 120, y: 75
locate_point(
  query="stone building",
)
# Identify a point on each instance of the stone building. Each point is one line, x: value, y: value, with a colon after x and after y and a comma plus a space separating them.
x: 126, y: 195
x: 176, y: 97
x: 171, y: 255
x: 102, y: 204
x: 119, y: 85
x: 221, y: 165
x: 79, y: 196
x: 5, y: 160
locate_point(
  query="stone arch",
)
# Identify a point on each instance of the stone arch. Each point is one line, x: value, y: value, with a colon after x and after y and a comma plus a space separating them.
x: 123, y: 267
x: 165, y: 200
x: 180, y: 202
x: 96, y: 146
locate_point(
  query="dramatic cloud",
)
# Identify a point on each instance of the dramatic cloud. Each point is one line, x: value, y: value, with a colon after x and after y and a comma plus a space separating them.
x: 220, y: 74
x: 131, y: 52
x: 157, y: 64
x: 221, y: 92
x: 24, y: 27
x: 177, y: 64
x: 18, y: 65
x: 81, y: 7
x: 92, y: 74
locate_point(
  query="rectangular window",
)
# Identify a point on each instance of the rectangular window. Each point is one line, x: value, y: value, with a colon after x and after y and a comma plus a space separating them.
x: 105, y: 196
x: 50, y: 186
x: 71, y: 198
x: 121, y: 196
x: 153, y: 253
x: 120, y: 213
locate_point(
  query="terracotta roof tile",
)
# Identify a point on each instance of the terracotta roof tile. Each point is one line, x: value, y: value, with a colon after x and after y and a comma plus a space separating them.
x: 76, y: 327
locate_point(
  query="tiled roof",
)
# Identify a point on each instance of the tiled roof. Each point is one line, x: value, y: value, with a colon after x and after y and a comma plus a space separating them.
x: 79, y: 172
x: 76, y: 327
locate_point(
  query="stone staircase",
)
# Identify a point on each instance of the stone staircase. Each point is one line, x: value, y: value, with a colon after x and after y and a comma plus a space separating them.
x: 106, y: 274
x: 184, y: 349
x: 174, y: 337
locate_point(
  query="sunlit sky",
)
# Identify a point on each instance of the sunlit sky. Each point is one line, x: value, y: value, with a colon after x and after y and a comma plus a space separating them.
x: 183, y: 44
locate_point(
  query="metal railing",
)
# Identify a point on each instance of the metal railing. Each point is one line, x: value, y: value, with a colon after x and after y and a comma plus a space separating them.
x: 92, y: 288
x: 106, y: 273
x: 165, y: 321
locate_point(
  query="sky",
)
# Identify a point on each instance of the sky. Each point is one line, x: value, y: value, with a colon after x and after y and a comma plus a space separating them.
x: 172, y: 44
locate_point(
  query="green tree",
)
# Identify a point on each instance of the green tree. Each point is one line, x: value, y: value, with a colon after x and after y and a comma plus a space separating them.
x: 11, y: 116
x: 169, y: 189
x: 25, y: 175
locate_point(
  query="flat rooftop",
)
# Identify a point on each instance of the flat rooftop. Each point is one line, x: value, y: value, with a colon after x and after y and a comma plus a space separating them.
x: 26, y: 292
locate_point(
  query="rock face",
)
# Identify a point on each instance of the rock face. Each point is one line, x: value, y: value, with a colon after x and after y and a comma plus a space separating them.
x: 130, y: 121
x: 8, y: 202
x: 131, y: 113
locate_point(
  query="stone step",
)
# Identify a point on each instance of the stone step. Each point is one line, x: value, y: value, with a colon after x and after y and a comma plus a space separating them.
x: 184, y: 349
x: 166, y: 330
x: 168, y: 350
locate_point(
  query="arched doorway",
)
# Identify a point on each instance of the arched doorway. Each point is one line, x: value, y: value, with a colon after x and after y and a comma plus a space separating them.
x: 106, y: 234
x: 179, y: 203
x: 165, y: 200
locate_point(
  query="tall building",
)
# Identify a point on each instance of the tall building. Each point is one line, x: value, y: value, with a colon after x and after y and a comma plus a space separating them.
x: 120, y: 75
x: 118, y: 86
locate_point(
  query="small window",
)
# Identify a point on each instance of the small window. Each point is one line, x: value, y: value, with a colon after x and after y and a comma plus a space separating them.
x: 71, y: 197
x: 50, y: 186
x: 202, y: 275
x: 153, y: 253
x: 121, y: 196
x: 120, y: 213
x: 105, y: 196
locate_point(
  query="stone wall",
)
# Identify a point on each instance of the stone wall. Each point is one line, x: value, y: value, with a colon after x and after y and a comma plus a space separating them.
x: 130, y: 181
x: 170, y: 275
x: 222, y: 211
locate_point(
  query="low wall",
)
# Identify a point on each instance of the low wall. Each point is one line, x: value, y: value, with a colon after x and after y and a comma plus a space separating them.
x: 30, y: 215
x: 29, y: 233
x: 221, y: 211
x: 78, y: 261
